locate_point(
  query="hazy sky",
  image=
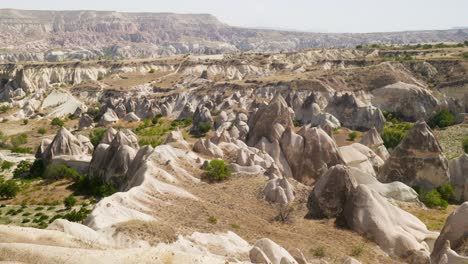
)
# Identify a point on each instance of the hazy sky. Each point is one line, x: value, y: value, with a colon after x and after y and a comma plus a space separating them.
x: 309, y: 15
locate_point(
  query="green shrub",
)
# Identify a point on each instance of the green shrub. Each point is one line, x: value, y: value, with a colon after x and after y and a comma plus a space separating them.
x: 235, y: 226
x: 4, y: 108
x: 69, y: 202
x: 25, y: 121
x: 155, y: 119
x: 319, y: 252
x: 441, y: 119
x: 218, y: 170
x: 94, y: 187
x: 433, y: 199
x: 27, y: 214
x: 154, y: 142
x: 212, y: 220
x: 446, y: 192
x: 465, y: 55
x: 297, y: 123
x: 39, y: 208
x: 9, y: 189
x: 26, y: 220
x: 42, y: 131
x: 6, y: 165
x: 358, y: 250
x: 152, y: 70
x: 22, y: 170
x: 394, y: 133
x: 61, y: 171
x: 37, y: 169
x: 57, y: 122
x: 19, y: 140
x: 18, y: 149
x: 465, y: 144
x: 204, y: 127
x: 96, y: 135
x: 352, y: 135
x: 77, y: 216
x: 57, y: 216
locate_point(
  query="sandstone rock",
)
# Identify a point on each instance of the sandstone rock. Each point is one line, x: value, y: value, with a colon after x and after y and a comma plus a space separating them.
x: 108, y: 136
x: 279, y: 190
x: 450, y: 246
x: 42, y: 148
x: 177, y: 138
x: 411, y: 101
x: 355, y: 158
x: 120, y: 110
x: 187, y: 112
x: 417, y: 161
x: 131, y: 117
x: 109, y: 117
x: 220, y: 119
x: 262, y: 122
x: 64, y: 144
x: 330, y: 192
x: 373, y: 140
x: 85, y: 122
x: 393, y: 229
x: 309, y: 153
x: 202, y: 115
x: 205, y: 147
x: 459, y: 177
x: 267, y: 251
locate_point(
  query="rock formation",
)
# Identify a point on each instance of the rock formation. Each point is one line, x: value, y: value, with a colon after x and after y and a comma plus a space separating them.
x: 201, y: 115
x: 459, y: 177
x: 450, y: 246
x: 417, y: 161
x: 373, y: 140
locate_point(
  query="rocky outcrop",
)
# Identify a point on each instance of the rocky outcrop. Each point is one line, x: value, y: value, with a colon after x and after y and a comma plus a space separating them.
x: 459, y: 177
x: 309, y: 153
x: 279, y: 190
x: 450, y: 246
x: 85, y: 122
x: 64, y: 145
x: 355, y: 114
x: 110, y: 163
x: 410, y: 101
x: 417, y: 161
x: 205, y: 147
x: 330, y: 192
x: 109, y: 117
x: 267, y: 251
x: 176, y: 137
x: 361, y: 157
x: 393, y: 229
x: 201, y: 116
x: 262, y: 122
x: 373, y: 140
x: 131, y: 117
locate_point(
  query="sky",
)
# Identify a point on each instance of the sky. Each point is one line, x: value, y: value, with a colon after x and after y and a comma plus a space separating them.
x: 303, y: 15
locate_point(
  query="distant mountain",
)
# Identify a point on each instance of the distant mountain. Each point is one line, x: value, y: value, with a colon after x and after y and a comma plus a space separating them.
x: 58, y: 35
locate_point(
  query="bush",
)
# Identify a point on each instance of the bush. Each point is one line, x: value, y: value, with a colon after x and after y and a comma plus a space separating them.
x: 218, y: 170
x: 62, y: 171
x: 465, y: 144
x: 94, y: 187
x: 352, y: 135
x: 433, y: 199
x: 57, y: 122
x: 297, y: 123
x: 152, y: 70
x: 446, y: 192
x: 204, y: 127
x: 69, y: 202
x: 6, y: 165
x: 212, y: 220
x: 42, y: 131
x: 358, y: 250
x: 19, y: 140
x: 77, y: 216
x: 25, y: 121
x: 9, y: 189
x: 22, y: 170
x: 393, y: 134
x: 442, y: 119
x: 465, y: 55
x: 37, y: 169
x: 319, y: 252
x: 96, y: 136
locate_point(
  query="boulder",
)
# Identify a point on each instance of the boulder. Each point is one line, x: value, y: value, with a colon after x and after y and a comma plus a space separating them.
x: 262, y: 122
x: 279, y: 190
x: 109, y: 117
x: 187, y: 112
x: 202, y: 115
x: 85, y: 122
x: 309, y: 153
x: 64, y: 144
x: 206, y: 147
x: 330, y: 192
x: 459, y: 177
x: 220, y: 119
x: 108, y: 136
x: 417, y: 161
x: 267, y: 251
x: 177, y: 138
x: 396, y: 231
x: 131, y: 117
x: 450, y: 246
x: 373, y: 140
x: 354, y: 158
x: 411, y: 101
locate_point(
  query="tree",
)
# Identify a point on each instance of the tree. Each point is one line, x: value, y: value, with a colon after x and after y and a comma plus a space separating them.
x: 69, y: 202
x: 57, y: 122
x: 204, y: 127
x: 22, y: 170
x: 352, y: 136
x: 441, y: 119
x: 96, y: 136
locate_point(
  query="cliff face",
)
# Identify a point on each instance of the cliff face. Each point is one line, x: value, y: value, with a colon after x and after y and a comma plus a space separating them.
x: 82, y: 35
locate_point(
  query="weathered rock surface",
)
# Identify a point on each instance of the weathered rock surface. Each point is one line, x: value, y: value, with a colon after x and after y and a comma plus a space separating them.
x: 279, y: 190
x: 373, y: 140
x: 417, y: 161
x: 450, y: 247
x: 459, y: 177
x: 64, y: 145
x: 85, y: 122
x: 205, y: 147
x: 109, y: 117
x: 267, y: 251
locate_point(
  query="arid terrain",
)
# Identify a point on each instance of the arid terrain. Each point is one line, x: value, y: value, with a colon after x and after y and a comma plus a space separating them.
x: 218, y: 148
